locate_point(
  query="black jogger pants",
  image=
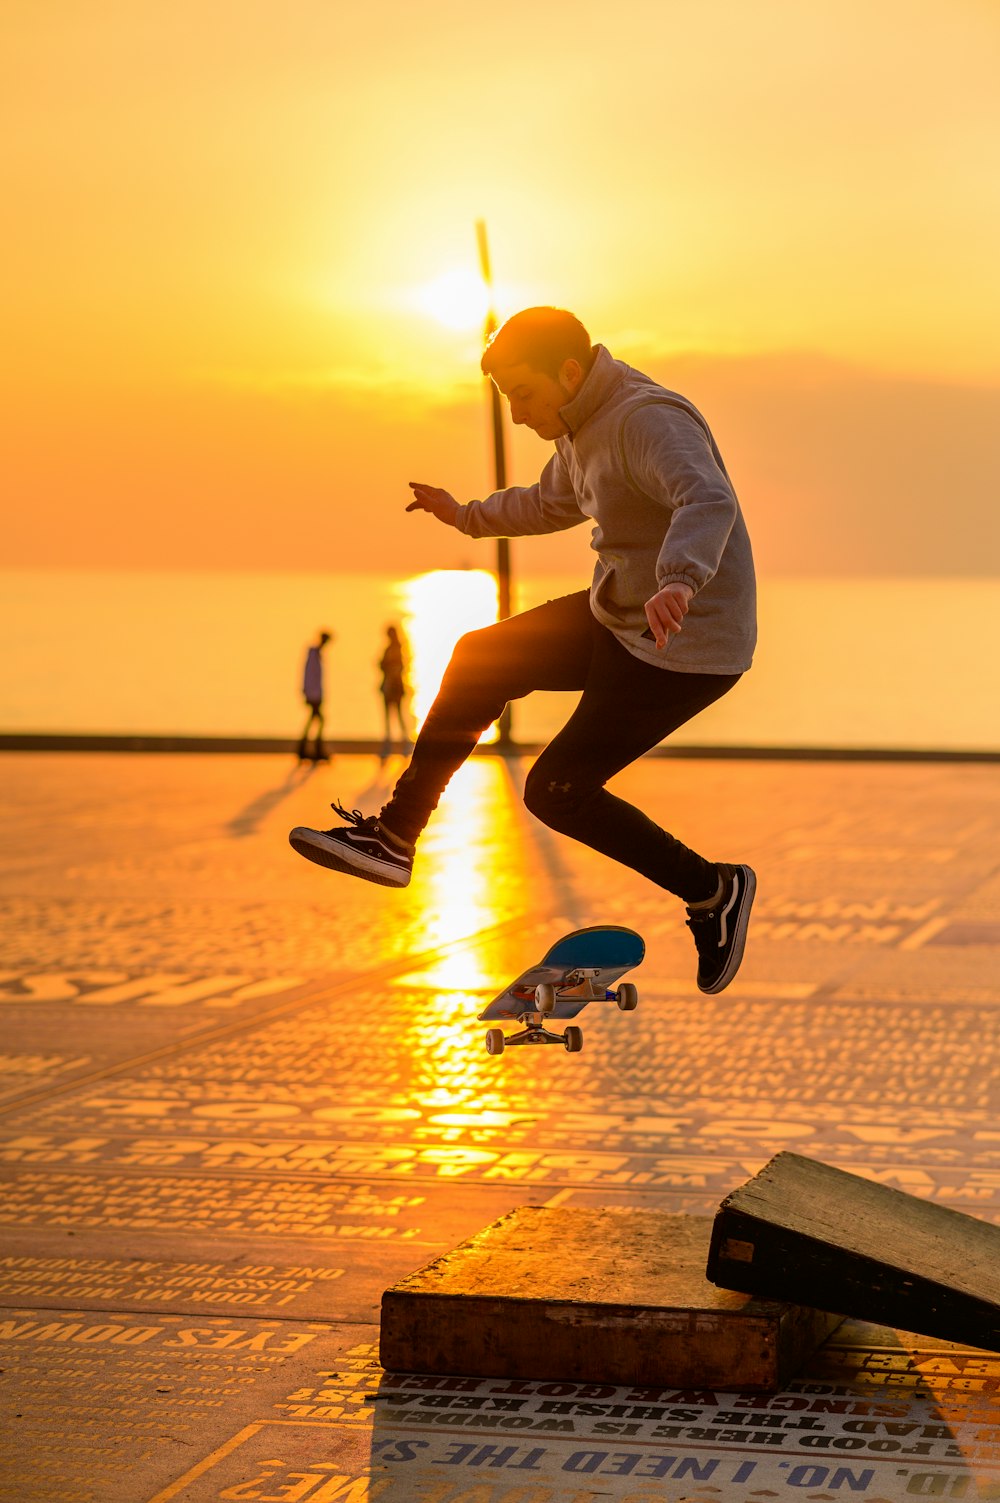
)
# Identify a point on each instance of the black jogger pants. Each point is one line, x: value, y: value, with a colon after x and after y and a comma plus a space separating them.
x: 626, y: 707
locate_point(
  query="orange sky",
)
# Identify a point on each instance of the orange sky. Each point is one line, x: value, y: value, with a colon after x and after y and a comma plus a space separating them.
x: 220, y: 219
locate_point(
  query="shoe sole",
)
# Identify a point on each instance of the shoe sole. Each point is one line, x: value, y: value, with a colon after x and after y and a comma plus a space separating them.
x: 367, y: 867
x: 740, y: 925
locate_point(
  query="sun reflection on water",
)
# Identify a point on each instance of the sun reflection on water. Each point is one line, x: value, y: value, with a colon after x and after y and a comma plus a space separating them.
x: 437, y: 608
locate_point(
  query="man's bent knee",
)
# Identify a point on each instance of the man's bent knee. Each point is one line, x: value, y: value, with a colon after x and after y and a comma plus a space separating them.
x: 476, y: 652
x: 551, y: 796
x: 482, y: 665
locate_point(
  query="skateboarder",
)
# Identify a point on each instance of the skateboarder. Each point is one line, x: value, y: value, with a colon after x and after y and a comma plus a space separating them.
x: 667, y: 627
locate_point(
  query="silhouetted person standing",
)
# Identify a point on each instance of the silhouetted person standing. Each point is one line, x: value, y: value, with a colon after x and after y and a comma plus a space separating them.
x: 312, y: 693
x: 393, y: 689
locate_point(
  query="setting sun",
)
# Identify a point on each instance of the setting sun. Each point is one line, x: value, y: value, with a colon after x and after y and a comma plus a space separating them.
x: 457, y: 298
x: 242, y: 279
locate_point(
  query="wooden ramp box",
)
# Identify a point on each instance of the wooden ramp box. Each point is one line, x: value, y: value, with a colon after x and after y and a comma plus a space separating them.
x: 818, y: 1234
x: 594, y: 1295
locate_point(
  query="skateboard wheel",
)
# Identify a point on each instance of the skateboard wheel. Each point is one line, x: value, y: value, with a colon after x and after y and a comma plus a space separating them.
x: 494, y: 1041
x: 627, y: 997
x: 545, y: 996
x: 573, y: 1039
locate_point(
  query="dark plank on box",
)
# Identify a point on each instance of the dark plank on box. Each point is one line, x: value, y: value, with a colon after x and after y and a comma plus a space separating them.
x: 819, y: 1235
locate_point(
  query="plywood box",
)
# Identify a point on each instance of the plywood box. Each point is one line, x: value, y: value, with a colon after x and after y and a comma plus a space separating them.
x: 592, y: 1295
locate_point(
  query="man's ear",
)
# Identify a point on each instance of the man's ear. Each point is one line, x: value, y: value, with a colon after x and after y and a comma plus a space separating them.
x: 571, y: 374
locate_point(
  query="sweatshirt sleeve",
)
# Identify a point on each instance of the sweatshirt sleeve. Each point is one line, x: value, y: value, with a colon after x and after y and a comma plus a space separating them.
x: 671, y: 458
x: 548, y: 506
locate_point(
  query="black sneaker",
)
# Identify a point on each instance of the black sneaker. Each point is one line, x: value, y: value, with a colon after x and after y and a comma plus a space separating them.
x: 720, y: 933
x: 365, y: 848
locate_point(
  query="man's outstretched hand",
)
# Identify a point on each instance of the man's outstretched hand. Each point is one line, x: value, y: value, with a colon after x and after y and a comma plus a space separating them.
x: 432, y: 498
x: 666, y: 610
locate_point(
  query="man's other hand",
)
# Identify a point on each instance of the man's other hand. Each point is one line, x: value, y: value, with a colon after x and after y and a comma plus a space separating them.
x: 432, y: 498
x: 665, y: 612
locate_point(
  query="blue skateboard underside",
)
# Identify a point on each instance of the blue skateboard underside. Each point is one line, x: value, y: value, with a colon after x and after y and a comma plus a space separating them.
x: 607, y: 948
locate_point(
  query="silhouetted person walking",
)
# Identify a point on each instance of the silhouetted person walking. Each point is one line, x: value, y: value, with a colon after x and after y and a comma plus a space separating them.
x: 312, y: 693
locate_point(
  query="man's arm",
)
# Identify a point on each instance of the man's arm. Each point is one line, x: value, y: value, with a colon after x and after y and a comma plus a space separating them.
x: 671, y: 457
x: 518, y: 511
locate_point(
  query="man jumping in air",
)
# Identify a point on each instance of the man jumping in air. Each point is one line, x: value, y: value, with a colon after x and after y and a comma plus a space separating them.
x: 667, y: 627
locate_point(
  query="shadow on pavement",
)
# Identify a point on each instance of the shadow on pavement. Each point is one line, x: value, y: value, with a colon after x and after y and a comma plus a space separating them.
x: 249, y: 819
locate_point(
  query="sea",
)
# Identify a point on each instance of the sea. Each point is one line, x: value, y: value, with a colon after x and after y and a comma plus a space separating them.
x: 849, y: 664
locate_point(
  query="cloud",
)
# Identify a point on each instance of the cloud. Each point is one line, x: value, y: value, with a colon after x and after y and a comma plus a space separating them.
x: 840, y: 470
x: 843, y: 470
x: 356, y: 384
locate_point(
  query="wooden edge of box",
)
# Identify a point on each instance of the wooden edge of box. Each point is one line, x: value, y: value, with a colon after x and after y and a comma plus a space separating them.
x: 552, y: 1341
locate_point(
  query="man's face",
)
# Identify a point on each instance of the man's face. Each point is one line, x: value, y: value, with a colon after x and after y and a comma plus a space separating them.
x: 535, y: 398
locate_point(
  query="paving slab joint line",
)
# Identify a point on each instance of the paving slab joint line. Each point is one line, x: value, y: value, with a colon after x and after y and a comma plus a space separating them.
x: 124, y: 1308
x: 207, y: 1462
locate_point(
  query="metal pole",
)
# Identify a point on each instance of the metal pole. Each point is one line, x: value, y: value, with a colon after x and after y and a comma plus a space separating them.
x: 500, y: 473
x: 499, y: 466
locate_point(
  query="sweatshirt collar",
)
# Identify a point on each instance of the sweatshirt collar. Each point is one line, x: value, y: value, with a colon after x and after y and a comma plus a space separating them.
x: 604, y: 376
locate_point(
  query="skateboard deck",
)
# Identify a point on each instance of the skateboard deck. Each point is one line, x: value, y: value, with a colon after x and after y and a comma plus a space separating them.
x: 579, y: 969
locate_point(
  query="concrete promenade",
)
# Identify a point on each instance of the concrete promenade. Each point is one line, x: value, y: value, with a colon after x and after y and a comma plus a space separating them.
x: 241, y: 1096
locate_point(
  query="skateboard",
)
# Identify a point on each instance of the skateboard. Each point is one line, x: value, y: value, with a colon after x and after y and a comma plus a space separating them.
x: 579, y: 968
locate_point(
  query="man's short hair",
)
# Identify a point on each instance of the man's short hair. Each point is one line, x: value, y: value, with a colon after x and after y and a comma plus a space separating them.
x: 544, y: 338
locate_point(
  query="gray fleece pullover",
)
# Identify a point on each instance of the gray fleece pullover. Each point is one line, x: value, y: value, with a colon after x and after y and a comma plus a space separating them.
x: 641, y: 464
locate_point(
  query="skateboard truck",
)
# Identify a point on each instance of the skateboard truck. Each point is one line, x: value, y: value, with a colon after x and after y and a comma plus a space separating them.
x: 534, y: 1032
x: 578, y: 986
